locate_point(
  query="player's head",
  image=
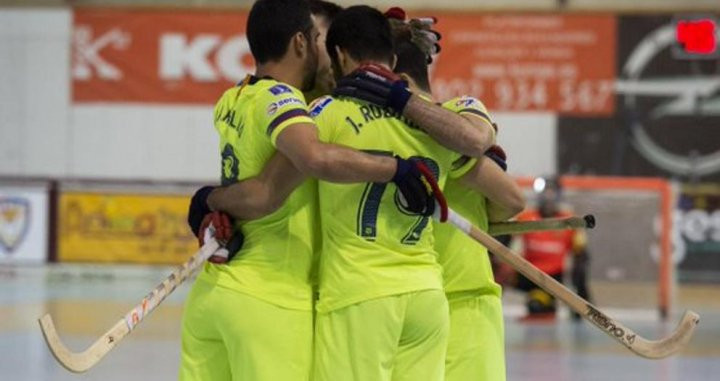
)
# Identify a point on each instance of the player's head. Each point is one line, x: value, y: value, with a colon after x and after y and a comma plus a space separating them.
x: 359, y: 34
x: 412, y: 64
x: 549, y: 191
x: 324, y: 13
x: 283, y: 31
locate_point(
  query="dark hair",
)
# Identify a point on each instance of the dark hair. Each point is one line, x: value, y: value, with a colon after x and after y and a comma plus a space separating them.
x: 364, y: 32
x: 324, y: 8
x: 272, y: 24
x: 413, y: 62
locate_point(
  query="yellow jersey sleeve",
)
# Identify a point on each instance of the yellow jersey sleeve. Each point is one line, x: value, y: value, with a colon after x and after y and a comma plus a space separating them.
x: 322, y: 119
x: 466, y: 105
x: 278, y: 107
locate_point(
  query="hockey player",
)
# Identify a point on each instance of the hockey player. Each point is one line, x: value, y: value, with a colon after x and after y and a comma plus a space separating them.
x: 480, y: 190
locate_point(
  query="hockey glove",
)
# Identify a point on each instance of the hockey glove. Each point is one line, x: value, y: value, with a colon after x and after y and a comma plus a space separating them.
x: 375, y: 84
x: 419, y: 30
x: 418, y: 187
x: 222, y: 231
x: 222, y: 227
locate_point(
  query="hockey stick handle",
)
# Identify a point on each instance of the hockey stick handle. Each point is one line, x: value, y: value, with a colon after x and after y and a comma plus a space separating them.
x: 159, y: 293
x: 81, y: 362
x: 639, y: 345
x: 520, y: 227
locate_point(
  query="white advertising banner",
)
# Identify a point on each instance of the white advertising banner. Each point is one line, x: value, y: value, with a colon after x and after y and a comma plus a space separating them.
x: 23, y: 224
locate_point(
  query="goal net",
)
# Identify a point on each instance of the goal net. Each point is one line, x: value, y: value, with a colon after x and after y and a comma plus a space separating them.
x: 630, y: 247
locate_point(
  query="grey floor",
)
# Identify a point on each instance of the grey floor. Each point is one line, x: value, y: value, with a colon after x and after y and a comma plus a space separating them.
x: 86, y: 300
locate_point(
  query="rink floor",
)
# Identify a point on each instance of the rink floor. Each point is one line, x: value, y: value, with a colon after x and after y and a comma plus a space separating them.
x: 85, y: 301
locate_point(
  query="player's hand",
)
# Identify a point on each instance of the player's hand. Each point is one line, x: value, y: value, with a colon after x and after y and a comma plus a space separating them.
x: 498, y: 155
x: 419, y: 188
x: 222, y: 227
x: 375, y: 84
x: 219, y: 226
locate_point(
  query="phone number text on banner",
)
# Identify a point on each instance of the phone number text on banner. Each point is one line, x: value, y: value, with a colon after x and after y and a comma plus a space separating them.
x: 559, y: 63
x: 95, y: 227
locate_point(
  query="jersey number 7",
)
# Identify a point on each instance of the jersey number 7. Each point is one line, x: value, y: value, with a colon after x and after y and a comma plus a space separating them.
x: 370, y: 206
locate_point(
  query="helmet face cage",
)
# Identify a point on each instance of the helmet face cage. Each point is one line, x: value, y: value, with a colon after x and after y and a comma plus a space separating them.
x: 549, y: 193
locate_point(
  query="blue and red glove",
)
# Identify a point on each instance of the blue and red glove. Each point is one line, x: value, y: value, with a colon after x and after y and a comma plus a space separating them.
x: 419, y: 188
x: 200, y: 217
x: 375, y: 84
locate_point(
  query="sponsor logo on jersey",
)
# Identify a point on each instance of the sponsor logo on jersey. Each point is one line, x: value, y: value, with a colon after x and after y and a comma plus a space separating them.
x: 273, y: 107
x: 14, y: 222
x: 466, y: 102
x: 318, y: 105
x: 279, y: 89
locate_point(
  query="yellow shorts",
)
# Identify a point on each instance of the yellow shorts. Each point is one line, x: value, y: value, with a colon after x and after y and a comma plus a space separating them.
x: 400, y: 337
x: 228, y: 335
x: 476, y: 347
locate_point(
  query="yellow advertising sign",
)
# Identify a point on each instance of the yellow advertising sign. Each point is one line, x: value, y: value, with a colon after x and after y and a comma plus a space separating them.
x: 140, y: 228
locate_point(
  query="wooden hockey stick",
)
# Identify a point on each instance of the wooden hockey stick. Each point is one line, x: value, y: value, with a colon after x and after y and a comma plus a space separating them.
x: 82, y: 361
x: 652, y: 349
x: 519, y: 227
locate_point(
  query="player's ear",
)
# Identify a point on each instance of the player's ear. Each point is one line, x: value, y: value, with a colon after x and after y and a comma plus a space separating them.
x: 299, y: 44
x: 343, y: 60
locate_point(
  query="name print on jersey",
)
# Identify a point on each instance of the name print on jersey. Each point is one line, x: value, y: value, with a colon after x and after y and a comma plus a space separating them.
x: 372, y: 112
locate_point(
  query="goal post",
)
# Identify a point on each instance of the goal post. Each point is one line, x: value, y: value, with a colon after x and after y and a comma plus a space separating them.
x: 638, y: 215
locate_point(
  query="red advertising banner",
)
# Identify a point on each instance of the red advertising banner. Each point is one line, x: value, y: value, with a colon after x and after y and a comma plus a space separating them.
x: 556, y: 63
x: 562, y: 63
x: 154, y: 56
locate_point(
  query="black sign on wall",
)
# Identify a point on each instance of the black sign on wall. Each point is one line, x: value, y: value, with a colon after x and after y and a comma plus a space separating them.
x: 667, y: 120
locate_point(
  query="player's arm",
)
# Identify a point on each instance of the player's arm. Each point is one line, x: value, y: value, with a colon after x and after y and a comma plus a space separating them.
x: 504, y: 195
x: 331, y: 162
x: 461, y: 132
x: 261, y: 195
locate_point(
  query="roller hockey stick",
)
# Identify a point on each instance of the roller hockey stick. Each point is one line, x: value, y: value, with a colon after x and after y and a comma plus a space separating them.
x: 82, y: 361
x: 517, y: 227
x: 652, y: 349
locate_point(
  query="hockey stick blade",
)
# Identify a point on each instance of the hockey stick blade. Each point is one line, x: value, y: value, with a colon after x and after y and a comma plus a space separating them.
x: 651, y: 349
x: 520, y: 227
x: 79, y: 362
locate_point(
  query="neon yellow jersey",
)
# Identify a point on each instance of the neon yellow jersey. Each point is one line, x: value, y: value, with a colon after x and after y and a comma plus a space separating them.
x: 275, y: 261
x: 466, y: 264
x: 372, y: 248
